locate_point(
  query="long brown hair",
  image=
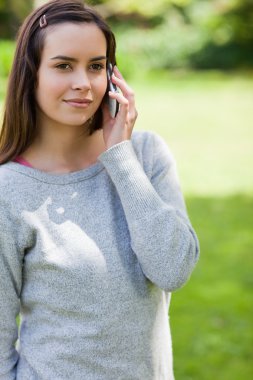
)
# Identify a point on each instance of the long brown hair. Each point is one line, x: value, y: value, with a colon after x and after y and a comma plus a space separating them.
x: 19, y: 122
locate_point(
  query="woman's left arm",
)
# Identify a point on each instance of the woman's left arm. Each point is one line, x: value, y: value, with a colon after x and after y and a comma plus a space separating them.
x: 161, y: 234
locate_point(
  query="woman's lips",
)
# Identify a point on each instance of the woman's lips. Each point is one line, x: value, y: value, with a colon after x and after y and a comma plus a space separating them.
x: 78, y: 103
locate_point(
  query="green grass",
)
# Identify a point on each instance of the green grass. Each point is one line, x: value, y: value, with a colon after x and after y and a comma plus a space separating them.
x: 6, y: 56
x: 207, y: 121
x: 211, y: 316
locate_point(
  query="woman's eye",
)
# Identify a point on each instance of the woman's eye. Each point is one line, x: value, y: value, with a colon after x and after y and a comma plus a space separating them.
x: 63, y: 66
x: 96, y: 66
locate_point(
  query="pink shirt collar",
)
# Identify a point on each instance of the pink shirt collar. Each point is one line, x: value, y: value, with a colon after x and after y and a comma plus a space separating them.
x: 22, y: 161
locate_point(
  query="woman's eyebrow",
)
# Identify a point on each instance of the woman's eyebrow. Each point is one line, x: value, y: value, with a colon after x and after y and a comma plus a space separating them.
x: 71, y: 59
x: 99, y: 58
x: 64, y: 58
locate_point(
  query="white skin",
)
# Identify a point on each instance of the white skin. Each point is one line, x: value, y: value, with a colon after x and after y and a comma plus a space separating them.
x: 63, y: 144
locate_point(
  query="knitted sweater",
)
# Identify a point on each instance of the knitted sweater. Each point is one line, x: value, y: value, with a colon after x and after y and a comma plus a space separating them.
x: 89, y: 259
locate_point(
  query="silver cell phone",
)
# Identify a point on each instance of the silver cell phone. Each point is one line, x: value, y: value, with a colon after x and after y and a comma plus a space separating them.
x: 112, y: 103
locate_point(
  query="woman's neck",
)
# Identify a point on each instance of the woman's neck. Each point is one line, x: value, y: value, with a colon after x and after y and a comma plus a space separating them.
x: 65, y: 154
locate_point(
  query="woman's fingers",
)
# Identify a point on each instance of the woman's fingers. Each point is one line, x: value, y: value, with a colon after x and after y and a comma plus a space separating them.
x: 126, y: 110
x: 119, y: 97
x: 117, y: 72
x: 123, y: 114
x: 127, y: 92
x: 120, y: 128
x: 123, y: 86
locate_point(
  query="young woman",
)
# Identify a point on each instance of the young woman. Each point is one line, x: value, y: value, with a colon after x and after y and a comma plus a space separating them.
x: 94, y: 233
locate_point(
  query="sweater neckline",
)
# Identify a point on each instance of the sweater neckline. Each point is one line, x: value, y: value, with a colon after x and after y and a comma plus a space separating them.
x: 58, y: 179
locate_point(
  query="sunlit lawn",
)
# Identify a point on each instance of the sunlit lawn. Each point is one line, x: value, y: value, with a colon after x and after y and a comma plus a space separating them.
x: 211, y: 316
x: 207, y: 120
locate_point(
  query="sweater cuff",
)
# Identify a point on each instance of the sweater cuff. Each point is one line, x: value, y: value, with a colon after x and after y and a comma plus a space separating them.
x: 121, y: 151
x: 134, y: 187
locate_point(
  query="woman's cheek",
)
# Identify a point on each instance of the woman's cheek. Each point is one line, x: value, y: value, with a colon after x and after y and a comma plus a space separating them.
x: 100, y: 84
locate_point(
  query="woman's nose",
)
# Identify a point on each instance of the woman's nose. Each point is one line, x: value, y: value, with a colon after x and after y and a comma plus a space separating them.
x: 81, y: 81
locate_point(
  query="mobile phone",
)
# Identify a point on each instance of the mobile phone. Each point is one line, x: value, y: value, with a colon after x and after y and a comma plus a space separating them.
x: 112, y: 103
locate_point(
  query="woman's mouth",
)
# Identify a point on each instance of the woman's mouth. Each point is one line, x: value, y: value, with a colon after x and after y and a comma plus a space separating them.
x: 78, y: 102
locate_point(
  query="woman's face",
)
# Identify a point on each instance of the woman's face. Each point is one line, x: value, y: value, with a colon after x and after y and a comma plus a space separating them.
x: 72, y: 74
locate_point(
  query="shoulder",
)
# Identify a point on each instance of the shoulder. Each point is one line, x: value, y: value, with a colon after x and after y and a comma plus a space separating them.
x: 7, y: 177
x: 149, y: 140
x: 142, y: 139
x: 11, y: 185
x: 5, y: 204
x: 151, y: 149
x: 11, y: 203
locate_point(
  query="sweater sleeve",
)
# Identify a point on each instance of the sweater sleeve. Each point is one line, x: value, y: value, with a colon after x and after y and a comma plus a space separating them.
x: 161, y: 234
x: 10, y: 287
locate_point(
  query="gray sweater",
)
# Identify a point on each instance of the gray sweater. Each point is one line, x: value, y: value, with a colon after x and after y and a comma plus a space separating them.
x: 89, y: 260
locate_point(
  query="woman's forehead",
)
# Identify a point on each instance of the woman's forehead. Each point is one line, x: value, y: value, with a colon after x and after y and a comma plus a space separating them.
x: 76, y: 37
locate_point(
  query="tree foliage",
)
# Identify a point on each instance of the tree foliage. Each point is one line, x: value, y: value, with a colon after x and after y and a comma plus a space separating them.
x: 168, y: 33
x: 184, y: 33
x: 12, y: 13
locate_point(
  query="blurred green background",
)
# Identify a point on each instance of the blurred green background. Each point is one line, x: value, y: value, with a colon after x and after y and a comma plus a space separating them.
x: 190, y: 63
